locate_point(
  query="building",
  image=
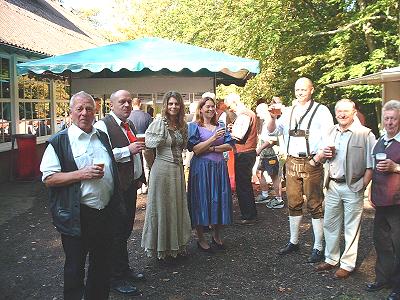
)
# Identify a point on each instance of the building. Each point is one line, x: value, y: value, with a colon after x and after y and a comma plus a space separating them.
x: 31, y: 30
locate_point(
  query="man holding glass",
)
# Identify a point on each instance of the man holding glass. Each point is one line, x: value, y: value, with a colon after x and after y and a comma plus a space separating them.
x: 79, y: 169
x: 386, y: 198
x: 348, y: 151
x: 127, y: 153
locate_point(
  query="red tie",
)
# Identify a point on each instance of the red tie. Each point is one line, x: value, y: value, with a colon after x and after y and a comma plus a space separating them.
x: 129, y: 133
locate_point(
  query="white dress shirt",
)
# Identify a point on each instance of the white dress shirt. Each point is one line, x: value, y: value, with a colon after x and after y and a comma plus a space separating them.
x: 87, y: 150
x: 123, y: 154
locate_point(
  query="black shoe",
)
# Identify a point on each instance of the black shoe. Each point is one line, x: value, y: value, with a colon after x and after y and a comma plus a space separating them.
x: 394, y: 296
x: 376, y: 286
x: 208, y: 250
x: 131, y: 275
x: 124, y: 287
x: 218, y: 246
x: 289, y: 248
x: 316, y: 256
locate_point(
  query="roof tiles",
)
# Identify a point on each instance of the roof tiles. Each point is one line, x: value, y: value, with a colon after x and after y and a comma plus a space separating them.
x: 45, y: 26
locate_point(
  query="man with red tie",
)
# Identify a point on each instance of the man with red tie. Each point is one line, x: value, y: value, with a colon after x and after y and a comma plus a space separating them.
x: 127, y: 153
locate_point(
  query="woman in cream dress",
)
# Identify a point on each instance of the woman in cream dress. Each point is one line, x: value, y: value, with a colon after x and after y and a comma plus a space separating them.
x: 167, y: 228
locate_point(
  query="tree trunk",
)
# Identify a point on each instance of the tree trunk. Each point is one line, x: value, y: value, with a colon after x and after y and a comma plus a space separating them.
x: 367, y: 28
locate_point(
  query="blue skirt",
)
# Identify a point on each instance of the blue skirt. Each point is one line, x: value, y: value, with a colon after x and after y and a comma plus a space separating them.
x: 209, y: 192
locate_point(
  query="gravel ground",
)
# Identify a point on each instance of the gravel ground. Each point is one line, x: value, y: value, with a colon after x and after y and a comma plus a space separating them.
x: 31, y: 260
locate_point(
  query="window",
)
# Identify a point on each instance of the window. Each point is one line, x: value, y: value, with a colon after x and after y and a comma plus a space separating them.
x: 34, y: 105
x: 5, y: 121
x: 4, y: 78
x: 5, y: 101
x: 63, y: 92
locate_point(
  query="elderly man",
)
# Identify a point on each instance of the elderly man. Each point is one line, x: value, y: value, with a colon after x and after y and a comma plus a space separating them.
x: 386, y: 198
x: 126, y: 149
x: 303, y: 128
x: 350, y: 170
x: 79, y: 168
x: 245, y: 158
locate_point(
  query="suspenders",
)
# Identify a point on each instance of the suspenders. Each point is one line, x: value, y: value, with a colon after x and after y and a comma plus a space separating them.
x: 299, y: 132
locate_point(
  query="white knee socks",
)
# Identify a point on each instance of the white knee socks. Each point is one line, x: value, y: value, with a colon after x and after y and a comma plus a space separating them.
x: 294, y: 223
x: 318, y: 228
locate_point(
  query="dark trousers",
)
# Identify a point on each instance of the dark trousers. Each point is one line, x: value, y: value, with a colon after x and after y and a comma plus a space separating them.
x: 123, y: 229
x: 94, y: 240
x: 244, y: 163
x: 387, y: 245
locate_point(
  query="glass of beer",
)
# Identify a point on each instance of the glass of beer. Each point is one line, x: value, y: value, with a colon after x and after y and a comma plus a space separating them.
x: 276, y: 109
x: 141, y: 137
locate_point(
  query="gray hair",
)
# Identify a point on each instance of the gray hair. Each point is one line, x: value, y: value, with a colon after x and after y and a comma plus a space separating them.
x: 80, y: 95
x: 392, y: 105
x: 345, y: 101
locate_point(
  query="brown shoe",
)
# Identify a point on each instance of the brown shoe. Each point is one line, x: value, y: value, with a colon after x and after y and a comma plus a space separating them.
x: 324, y: 267
x: 341, y: 274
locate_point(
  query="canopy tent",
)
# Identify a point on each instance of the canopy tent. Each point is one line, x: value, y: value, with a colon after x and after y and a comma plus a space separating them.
x: 390, y: 78
x: 144, y: 55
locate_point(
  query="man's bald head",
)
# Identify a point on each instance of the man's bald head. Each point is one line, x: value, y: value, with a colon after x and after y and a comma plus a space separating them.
x: 303, y: 90
x: 121, y: 104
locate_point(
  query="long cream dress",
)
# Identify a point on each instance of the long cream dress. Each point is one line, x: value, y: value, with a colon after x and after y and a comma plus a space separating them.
x: 167, y: 228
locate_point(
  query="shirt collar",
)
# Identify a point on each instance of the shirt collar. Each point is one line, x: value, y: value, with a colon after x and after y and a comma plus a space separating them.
x: 353, y: 127
x: 75, y: 132
x: 396, y: 137
x: 118, y: 120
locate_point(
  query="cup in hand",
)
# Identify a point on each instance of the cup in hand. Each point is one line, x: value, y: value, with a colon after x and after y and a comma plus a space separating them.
x: 99, y: 164
x: 380, y: 156
x: 333, y: 149
x: 276, y: 110
x: 141, y: 137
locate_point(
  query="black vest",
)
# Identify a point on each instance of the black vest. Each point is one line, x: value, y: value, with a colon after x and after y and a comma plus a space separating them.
x: 118, y: 140
x: 65, y: 200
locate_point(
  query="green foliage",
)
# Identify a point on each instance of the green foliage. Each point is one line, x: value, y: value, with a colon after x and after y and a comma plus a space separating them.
x: 327, y: 41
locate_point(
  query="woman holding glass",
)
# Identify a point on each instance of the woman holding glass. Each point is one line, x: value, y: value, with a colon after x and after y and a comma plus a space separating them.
x: 166, y: 229
x: 209, y: 191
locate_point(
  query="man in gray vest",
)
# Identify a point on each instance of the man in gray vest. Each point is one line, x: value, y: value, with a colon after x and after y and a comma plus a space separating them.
x: 348, y: 150
x: 303, y: 128
x: 79, y: 169
x: 127, y: 153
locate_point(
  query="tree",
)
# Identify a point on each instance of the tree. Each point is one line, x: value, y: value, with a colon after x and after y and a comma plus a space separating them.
x: 327, y: 41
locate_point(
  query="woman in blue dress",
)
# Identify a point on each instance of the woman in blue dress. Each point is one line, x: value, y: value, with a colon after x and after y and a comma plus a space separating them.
x: 209, y: 191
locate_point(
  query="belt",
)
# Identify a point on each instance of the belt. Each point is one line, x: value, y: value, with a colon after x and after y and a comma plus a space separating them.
x: 296, y: 157
x: 338, y: 180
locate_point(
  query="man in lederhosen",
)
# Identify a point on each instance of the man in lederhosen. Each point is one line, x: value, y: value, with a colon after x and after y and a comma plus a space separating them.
x: 303, y: 128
